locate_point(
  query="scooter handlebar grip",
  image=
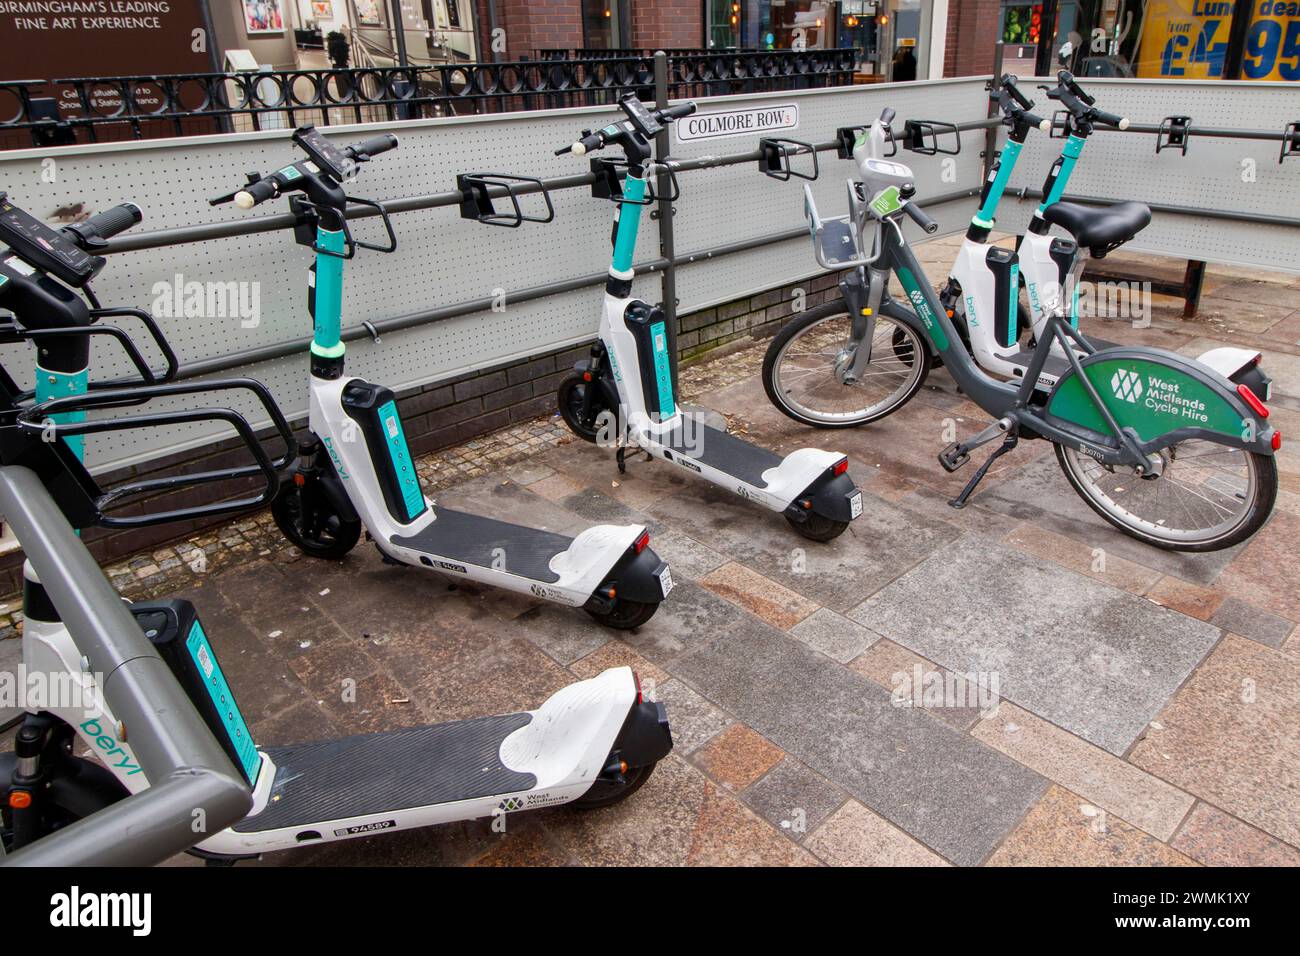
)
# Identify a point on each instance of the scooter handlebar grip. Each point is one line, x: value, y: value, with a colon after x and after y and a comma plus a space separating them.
x: 110, y: 222
x: 375, y: 145
x: 255, y: 193
x: 1110, y: 119
x: 678, y: 111
x: 1043, y: 124
x: 921, y: 219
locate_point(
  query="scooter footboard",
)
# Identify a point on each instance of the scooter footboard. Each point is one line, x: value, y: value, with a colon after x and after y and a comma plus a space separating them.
x: 1160, y: 396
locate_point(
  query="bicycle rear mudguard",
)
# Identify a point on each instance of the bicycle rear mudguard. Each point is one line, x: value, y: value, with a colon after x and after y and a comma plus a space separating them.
x: 1159, y: 396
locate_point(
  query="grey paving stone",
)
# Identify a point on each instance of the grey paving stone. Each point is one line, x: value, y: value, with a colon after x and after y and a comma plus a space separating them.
x: 596, y: 507
x: 1039, y: 492
x: 692, y: 718
x: 834, y: 635
x: 1238, y: 617
x: 1093, y: 659
x: 794, y: 798
x: 687, y: 557
x: 690, y: 617
x: 950, y: 792
x: 876, y: 548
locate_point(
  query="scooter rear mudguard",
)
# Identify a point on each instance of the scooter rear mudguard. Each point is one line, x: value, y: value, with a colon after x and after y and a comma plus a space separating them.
x: 1160, y: 396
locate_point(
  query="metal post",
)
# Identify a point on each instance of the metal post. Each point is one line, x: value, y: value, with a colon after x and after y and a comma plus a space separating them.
x: 664, y: 210
x: 1045, y: 56
x: 991, y: 134
x: 399, y: 34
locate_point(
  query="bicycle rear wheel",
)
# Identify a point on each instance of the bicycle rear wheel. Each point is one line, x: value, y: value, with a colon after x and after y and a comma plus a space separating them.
x: 1209, y: 497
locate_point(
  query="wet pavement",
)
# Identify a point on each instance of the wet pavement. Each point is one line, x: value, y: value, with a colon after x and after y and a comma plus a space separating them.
x: 1146, y: 707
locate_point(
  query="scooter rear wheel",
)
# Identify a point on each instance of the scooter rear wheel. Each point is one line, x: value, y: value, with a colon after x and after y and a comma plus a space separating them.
x: 572, y: 393
x: 604, y: 793
x: 313, y: 525
x: 625, y: 615
x: 817, y: 527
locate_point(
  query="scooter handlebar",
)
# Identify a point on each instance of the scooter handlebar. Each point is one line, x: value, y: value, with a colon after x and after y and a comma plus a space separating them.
x: 92, y: 232
x: 256, y: 193
x: 676, y: 112
x: 373, y: 146
x: 1110, y: 119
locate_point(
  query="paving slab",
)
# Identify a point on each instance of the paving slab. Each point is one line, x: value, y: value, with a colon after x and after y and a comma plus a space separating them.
x: 1238, y: 617
x: 1093, y: 659
x: 1040, y: 493
x: 794, y: 798
x: 911, y: 680
x: 854, y: 836
x: 1064, y: 829
x: 1113, y: 784
x: 834, y: 635
x: 1232, y: 736
x: 1214, y: 838
x: 737, y: 757
x: 693, y: 719
x: 945, y: 789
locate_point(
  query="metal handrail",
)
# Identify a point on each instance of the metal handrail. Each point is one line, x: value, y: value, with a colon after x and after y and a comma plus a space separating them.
x: 185, y: 765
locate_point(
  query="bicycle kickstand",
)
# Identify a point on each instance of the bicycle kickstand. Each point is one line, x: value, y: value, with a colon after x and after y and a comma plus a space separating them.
x: 1009, y: 442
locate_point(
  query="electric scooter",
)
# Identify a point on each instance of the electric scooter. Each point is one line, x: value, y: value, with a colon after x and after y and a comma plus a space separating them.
x: 592, y: 743
x: 356, y: 468
x: 1163, y: 447
x: 629, y: 378
x: 982, y: 290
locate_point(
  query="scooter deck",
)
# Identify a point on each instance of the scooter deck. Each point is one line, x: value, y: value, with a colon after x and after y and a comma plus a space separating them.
x: 397, y: 770
x: 716, y: 448
x: 473, y: 539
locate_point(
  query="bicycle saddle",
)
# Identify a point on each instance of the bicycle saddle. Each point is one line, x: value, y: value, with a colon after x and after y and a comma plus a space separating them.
x: 1100, y: 228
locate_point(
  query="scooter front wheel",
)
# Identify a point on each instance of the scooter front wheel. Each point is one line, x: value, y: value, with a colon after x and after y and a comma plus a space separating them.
x: 572, y: 396
x: 311, y: 523
x: 817, y: 527
x: 1209, y: 496
x: 802, y: 370
x: 604, y: 793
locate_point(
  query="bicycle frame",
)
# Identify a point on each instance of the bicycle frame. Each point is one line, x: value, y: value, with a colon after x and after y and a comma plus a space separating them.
x: 1183, y: 400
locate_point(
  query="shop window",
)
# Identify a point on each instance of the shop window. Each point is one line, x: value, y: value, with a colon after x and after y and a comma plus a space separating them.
x: 606, y: 24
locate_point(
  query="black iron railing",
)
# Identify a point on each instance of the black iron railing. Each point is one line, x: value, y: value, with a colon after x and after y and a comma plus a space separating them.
x: 39, y: 112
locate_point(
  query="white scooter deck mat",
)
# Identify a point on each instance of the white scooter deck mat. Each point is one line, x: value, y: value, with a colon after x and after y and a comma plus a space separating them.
x: 483, y: 542
x: 396, y: 770
x: 733, y: 456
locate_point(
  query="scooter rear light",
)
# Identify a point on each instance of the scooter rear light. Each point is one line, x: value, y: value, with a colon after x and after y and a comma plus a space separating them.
x: 1277, y: 440
x: 840, y: 467
x: 636, y: 679
x: 1255, y: 404
x: 642, y: 540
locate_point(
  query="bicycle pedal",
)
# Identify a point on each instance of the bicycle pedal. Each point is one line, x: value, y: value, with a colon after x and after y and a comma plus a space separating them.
x: 953, y: 457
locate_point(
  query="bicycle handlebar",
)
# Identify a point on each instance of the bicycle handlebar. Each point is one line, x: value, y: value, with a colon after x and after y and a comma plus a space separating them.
x: 921, y: 219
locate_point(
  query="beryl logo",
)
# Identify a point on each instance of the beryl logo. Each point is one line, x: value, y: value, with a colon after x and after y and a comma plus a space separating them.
x: 75, y: 909
x: 1126, y: 385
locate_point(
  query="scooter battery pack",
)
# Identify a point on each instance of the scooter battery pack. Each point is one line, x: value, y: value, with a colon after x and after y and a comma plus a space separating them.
x: 374, y: 409
x: 654, y: 356
x: 1004, y: 266
x: 174, y: 629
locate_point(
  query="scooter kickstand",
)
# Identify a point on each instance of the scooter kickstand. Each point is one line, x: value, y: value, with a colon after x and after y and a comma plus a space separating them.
x: 1009, y: 442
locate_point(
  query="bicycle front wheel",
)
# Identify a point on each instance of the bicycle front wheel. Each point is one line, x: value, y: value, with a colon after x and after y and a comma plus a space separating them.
x: 804, y: 366
x: 1209, y: 496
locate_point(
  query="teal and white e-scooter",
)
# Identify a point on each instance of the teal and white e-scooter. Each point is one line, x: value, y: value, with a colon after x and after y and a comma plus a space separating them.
x: 632, y: 369
x: 356, y: 468
x: 982, y: 291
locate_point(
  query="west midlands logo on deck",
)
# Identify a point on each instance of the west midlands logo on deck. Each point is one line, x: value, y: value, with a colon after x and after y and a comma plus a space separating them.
x: 1126, y: 385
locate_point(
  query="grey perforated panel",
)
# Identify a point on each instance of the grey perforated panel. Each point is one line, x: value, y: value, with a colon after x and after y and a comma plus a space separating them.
x: 1229, y: 174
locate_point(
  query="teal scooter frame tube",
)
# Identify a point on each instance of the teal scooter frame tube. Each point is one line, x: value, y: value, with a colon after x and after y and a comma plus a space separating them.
x: 355, y: 469
x: 624, y: 392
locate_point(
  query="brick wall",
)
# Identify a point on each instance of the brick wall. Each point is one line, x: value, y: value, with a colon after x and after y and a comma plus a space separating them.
x: 667, y: 24
x: 445, y: 413
x: 972, y: 32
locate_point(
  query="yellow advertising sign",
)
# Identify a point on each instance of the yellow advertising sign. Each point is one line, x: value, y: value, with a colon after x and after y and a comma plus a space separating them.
x: 1188, y: 39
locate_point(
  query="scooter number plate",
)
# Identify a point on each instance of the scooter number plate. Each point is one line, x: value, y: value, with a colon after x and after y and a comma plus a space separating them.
x: 855, y: 505
x: 665, y: 580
